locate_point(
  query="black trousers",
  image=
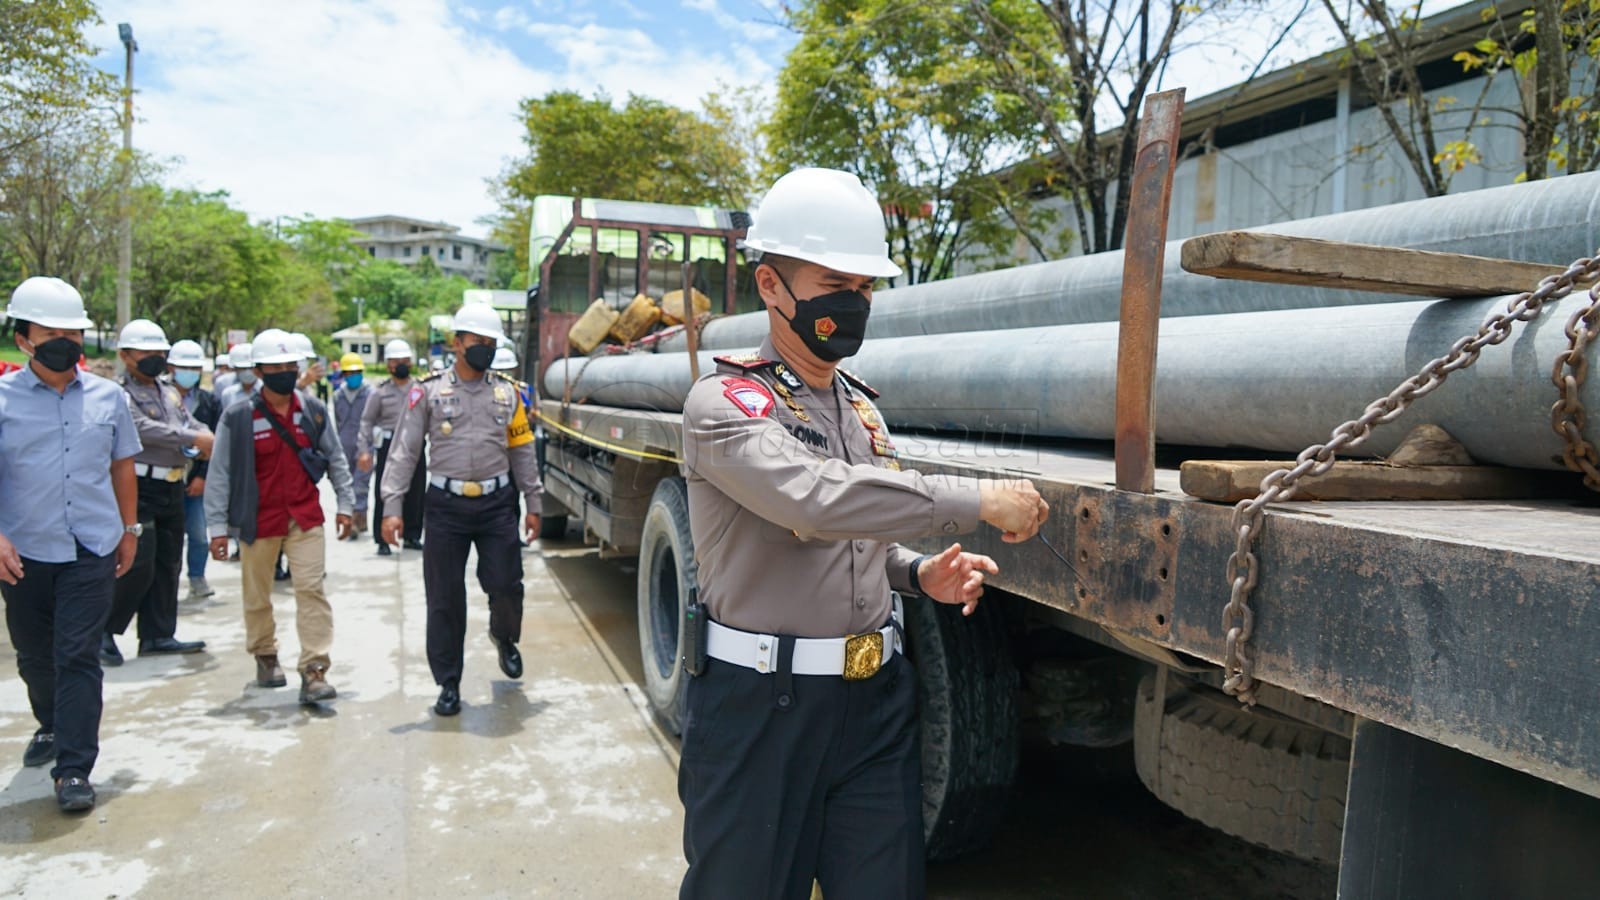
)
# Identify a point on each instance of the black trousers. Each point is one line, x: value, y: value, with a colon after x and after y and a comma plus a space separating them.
x: 789, y: 778
x: 56, y: 613
x: 410, y: 508
x: 150, y: 586
x: 455, y: 525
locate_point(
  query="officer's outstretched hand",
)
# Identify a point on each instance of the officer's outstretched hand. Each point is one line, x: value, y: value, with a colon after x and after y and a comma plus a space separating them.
x: 392, y: 526
x: 10, y: 562
x: 344, y: 524
x: 219, y: 548
x: 530, y: 524
x: 955, y: 577
x: 364, y: 462
x: 1014, y: 507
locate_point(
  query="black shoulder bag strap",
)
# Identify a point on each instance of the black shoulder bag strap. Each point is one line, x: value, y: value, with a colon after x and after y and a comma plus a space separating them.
x: 311, y: 459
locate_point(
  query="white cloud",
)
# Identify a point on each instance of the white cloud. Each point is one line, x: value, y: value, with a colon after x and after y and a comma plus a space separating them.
x: 757, y: 30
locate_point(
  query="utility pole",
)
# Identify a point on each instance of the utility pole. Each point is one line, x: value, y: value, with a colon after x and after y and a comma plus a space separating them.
x: 125, y: 239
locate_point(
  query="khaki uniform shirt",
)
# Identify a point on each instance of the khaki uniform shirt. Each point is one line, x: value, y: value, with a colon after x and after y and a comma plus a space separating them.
x: 165, y: 426
x: 382, y: 413
x: 475, y: 430
x: 795, y: 502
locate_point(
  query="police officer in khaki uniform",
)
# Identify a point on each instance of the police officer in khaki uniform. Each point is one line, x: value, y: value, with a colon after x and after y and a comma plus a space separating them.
x: 480, y: 449
x: 378, y: 422
x: 800, y: 754
x: 171, y: 438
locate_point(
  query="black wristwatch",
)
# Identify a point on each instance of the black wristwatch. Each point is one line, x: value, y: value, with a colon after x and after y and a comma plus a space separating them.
x: 916, y: 583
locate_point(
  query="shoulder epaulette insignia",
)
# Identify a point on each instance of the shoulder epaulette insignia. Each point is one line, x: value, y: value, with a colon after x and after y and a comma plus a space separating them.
x: 746, y: 362
x: 858, y: 383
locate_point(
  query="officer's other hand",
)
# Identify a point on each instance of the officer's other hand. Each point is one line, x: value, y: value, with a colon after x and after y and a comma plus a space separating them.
x: 364, y: 462
x: 392, y: 526
x: 203, y: 442
x: 530, y: 525
x: 10, y: 562
x: 196, y: 488
x: 345, y: 525
x: 1014, y: 507
x: 956, y: 577
x: 127, y: 549
x: 219, y: 548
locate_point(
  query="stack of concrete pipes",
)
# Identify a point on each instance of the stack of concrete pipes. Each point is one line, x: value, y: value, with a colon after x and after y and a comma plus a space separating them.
x: 1032, y: 350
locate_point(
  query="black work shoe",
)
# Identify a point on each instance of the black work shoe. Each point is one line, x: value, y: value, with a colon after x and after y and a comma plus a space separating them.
x: 279, y: 573
x: 166, y: 645
x: 314, y: 686
x: 40, y: 750
x: 383, y: 550
x: 510, y: 659
x: 411, y: 544
x: 449, y: 702
x: 109, y: 654
x: 74, y: 794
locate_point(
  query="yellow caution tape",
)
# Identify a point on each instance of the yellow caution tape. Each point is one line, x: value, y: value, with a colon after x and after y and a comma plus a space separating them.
x: 603, y: 445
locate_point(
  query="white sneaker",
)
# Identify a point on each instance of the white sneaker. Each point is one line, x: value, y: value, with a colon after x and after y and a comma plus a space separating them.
x: 199, y: 589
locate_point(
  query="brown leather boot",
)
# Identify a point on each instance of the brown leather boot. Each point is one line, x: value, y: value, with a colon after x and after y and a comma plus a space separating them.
x: 268, y: 673
x: 314, y: 686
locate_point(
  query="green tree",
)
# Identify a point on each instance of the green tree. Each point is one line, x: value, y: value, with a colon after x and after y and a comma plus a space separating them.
x: 46, y: 71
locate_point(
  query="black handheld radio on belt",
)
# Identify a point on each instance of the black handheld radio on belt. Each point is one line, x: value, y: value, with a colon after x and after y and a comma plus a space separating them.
x: 696, y: 629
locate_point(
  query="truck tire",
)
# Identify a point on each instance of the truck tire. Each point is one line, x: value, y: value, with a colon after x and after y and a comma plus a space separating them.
x: 666, y: 579
x: 1254, y: 774
x: 967, y: 695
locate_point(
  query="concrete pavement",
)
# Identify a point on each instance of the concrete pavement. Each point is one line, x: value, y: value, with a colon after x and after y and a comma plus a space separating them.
x: 558, y: 785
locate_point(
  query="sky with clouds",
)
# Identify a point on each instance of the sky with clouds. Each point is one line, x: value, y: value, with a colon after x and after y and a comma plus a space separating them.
x: 346, y: 108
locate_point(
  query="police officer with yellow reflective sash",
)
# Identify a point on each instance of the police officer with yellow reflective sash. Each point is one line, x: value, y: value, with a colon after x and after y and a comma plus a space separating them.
x: 480, y: 453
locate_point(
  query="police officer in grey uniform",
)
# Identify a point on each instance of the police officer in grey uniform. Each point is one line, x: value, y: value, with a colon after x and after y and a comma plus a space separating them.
x: 378, y: 421
x: 480, y: 447
x: 800, y: 755
x: 171, y: 438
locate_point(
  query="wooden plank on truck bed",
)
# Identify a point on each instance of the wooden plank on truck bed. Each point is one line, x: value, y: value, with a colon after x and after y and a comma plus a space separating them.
x: 1282, y: 259
x: 1229, y: 481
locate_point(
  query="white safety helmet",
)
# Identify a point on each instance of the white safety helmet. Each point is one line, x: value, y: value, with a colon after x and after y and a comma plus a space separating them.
x: 827, y: 217
x: 48, y: 302
x: 187, y: 355
x: 304, y: 345
x: 397, y: 349
x: 240, y: 356
x: 438, y: 365
x: 478, y: 318
x: 222, y: 360
x: 142, y: 334
x: 275, y: 346
x: 504, y: 359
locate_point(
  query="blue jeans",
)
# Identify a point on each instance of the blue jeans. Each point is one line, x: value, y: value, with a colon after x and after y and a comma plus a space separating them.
x: 194, y: 512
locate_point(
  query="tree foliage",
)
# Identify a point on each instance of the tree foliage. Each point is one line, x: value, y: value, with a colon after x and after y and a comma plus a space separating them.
x: 45, y: 70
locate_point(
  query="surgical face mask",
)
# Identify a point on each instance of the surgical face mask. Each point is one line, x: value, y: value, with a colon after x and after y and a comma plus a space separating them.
x: 58, y: 354
x: 479, y: 356
x: 831, y: 326
x: 152, y: 366
x: 247, y: 377
x: 353, y: 381
x: 186, y: 378
x: 280, y: 382
x: 401, y: 371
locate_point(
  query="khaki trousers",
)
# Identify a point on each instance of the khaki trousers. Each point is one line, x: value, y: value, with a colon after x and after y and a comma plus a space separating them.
x: 306, y: 553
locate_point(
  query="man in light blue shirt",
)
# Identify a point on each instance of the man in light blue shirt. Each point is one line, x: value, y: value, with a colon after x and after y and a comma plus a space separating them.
x: 68, y: 526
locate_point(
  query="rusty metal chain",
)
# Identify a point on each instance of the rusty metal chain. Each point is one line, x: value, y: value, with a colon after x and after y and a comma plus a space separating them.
x: 1567, y: 416
x: 1243, y: 568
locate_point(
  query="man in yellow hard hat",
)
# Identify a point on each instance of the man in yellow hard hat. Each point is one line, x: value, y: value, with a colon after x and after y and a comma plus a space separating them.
x: 349, y: 402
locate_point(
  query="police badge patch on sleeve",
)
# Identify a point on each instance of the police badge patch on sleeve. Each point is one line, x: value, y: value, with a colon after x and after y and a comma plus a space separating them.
x: 752, y: 397
x: 414, y: 396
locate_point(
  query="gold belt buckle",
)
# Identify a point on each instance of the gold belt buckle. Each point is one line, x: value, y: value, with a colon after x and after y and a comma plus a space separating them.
x: 863, y: 655
x: 174, y: 475
x: 472, y: 489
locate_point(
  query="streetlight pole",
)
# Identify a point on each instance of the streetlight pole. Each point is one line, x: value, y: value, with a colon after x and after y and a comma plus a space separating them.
x: 125, y: 239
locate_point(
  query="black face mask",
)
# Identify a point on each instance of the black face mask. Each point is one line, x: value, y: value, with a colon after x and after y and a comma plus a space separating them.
x: 401, y: 371
x: 58, y: 354
x: 479, y: 356
x: 152, y: 366
x: 831, y: 326
x: 280, y: 382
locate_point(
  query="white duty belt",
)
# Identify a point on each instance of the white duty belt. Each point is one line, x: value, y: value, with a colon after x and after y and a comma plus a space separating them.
x: 172, y: 474
x: 471, y: 488
x: 856, y: 657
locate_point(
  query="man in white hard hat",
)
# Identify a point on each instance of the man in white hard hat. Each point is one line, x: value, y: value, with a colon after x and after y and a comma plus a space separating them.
x: 244, y: 386
x: 171, y: 439
x: 378, y: 423
x: 185, y: 363
x: 480, y: 447
x: 505, y: 360
x: 68, y: 527
x: 221, y: 375
x: 271, y: 453
x: 349, y: 404
x: 800, y: 754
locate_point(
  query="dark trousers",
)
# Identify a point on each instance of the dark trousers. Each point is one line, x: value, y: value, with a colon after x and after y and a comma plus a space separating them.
x: 56, y: 613
x: 150, y: 586
x: 455, y: 525
x: 789, y: 778
x: 410, y: 508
